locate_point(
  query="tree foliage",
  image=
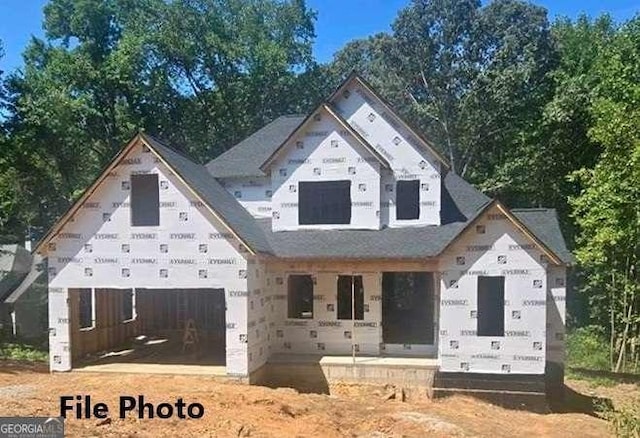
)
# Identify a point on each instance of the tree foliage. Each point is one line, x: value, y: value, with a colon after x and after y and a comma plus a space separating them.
x: 200, y: 73
x: 473, y: 78
x: 608, y: 208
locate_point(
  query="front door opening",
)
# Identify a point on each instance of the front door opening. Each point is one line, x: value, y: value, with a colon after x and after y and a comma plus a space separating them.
x: 407, y: 308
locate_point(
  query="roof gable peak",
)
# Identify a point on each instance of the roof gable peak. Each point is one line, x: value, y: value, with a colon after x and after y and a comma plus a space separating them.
x: 327, y: 108
x: 357, y: 78
x: 175, y: 162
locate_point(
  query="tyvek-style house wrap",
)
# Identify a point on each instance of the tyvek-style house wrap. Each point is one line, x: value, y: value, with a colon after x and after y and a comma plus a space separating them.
x: 347, y: 193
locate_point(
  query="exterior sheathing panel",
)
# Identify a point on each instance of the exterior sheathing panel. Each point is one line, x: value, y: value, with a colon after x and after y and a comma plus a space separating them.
x: 556, y: 314
x: 99, y: 248
x: 253, y: 193
x: 325, y: 152
x: 502, y: 250
x: 400, y: 148
x: 325, y: 333
x: 262, y: 314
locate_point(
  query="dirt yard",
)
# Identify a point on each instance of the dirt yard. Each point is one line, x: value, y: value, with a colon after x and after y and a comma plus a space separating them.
x: 233, y: 410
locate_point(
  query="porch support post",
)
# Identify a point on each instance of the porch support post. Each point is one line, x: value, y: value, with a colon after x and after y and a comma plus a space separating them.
x: 353, y: 323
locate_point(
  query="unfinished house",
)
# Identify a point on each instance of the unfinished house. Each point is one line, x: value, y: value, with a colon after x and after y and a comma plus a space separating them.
x: 338, y: 243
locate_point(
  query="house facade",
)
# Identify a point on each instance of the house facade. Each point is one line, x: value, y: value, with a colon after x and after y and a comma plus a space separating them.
x: 339, y: 233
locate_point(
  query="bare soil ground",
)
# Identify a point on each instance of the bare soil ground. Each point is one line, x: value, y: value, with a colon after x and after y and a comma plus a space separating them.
x: 233, y: 410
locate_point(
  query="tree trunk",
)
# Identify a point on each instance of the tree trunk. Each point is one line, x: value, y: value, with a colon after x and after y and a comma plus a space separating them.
x: 612, y: 336
x: 623, y: 347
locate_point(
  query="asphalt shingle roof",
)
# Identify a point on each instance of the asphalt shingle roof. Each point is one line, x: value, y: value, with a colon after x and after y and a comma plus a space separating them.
x: 543, y: 222
x: 461, y: 203
x: 245, y: 158
x: 15, y: 263
x: 221, y: 201
x: 36, y: 274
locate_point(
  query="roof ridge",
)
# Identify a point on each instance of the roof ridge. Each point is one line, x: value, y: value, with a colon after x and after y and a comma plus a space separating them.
x: 291, y: 116
x: 533, y: 209
x: 171, y: 148
x: 255, y: 134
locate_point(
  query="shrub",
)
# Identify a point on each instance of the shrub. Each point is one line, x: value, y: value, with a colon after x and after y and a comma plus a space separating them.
x: 26, y: 352
x: 588, y: 347
x: 625, y: 421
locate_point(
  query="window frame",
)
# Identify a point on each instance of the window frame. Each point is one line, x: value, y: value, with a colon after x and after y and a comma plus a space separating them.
x: 404, y: 195
x: 311, y: 210
x: 144, y: 202
x: 358, y: 315
x: 487, y: 328
x: 296, y: 310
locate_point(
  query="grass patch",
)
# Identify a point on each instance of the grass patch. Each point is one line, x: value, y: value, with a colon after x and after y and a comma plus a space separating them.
x: 588, y: 358
x: 593, y: 380
x: 588, y: 348
x: 23, y: 352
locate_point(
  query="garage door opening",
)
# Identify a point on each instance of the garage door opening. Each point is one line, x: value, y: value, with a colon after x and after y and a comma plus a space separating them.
x: 182, y: 327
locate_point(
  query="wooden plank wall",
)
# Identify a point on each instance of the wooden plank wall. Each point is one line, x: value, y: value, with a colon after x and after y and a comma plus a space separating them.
x: 109, y: 330
x: 156, y: 313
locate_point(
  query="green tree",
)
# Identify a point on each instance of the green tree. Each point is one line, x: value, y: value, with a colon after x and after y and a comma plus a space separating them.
x: 237, y: 63
x: 608, y: 208
x: 535, y: 171
x: 369, y: 58
x: 8, y: 203
x: 474, y: 79
x: 199, y: 73
x: 2, y: 88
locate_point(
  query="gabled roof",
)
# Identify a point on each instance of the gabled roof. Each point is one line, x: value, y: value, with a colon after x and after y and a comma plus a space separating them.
x: 245, y: 158
x: 540, y: 225
x: 15, y: 263
x: 461, y: 204
x: 545, y: 233
x: 326, y: 108
x: 197, y: 179
x: 355, y: 77
x: 14, y: 258
x: 219, y: 201
x: 36, y: 275
x: 543, y: 222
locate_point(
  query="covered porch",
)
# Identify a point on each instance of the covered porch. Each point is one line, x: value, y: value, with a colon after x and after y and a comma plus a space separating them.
x: 380, y: 312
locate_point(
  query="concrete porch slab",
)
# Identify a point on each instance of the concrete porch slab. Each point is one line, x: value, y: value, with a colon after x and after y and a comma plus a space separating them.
x: 396, y: 362
x: 318, y: 371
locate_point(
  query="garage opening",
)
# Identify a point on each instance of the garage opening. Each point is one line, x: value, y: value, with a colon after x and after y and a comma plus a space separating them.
x: 408, y: 308
x: 149, y: 326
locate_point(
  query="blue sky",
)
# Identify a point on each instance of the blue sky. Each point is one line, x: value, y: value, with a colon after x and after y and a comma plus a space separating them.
x: 339, y: 21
